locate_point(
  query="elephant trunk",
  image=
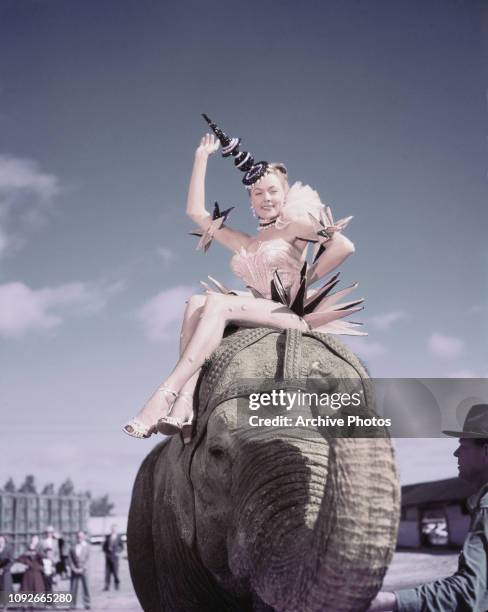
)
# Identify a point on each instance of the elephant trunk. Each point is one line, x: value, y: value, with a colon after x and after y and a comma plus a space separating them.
x: 316, y: 521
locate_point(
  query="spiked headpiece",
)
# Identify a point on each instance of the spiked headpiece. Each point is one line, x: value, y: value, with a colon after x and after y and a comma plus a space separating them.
x: 243, y: 160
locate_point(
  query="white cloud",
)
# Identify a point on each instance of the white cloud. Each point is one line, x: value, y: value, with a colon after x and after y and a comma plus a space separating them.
x: 463, y: 374
x: 167, y: 255
x: 24, y: 310
x: 448, y: 347
x: 466, y: 373
x: 161, y: 315
x: 26, y: 195
x: 476, y: 309
x: 371, y: 349
x: 385, y: 320
x: 24, y: 175
x: 364, y: 348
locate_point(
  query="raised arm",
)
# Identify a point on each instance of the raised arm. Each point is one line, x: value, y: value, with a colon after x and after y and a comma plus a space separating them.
x: 195, y: 205
x: 338, y: 248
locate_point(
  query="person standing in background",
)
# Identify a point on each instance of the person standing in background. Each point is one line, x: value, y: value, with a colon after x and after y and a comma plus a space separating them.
x: 6, y: 560
x: 50, y: 542
x: 48, y: 570
x: 49, y: 549
x: 32, y: 579
x: 79, y: 556
x: 62, y: 564
x: 112, y: 547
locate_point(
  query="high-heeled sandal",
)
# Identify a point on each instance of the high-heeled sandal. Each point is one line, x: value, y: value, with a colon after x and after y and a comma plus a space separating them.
x: 169, y: 426
x: 137, y: 429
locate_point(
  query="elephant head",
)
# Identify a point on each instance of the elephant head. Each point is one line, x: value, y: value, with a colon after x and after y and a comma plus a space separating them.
x: 269, y: 519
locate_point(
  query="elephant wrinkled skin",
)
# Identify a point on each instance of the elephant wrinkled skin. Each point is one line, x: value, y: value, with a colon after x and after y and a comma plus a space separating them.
x: 274, y: 519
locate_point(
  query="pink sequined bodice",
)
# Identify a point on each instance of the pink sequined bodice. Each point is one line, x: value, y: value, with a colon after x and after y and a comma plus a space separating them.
x: 256, y: 268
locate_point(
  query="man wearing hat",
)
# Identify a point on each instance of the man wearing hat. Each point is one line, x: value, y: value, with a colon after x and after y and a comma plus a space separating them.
x: 467, y: 589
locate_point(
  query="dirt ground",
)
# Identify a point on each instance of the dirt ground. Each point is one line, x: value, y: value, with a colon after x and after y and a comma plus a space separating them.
x: 413, y: 568
x: 407, y: 569
x: 124, y: 599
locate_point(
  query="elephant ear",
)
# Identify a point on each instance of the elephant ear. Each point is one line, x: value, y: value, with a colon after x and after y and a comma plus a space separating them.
x: 349, y: 360
x: 177, y: 492
x: 140, y: 544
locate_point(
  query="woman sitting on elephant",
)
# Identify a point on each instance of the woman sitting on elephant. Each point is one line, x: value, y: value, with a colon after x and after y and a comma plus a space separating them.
x: 272, y: 265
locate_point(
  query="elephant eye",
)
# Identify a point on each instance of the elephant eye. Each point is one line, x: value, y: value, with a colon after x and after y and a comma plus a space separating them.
x: 216, y: 452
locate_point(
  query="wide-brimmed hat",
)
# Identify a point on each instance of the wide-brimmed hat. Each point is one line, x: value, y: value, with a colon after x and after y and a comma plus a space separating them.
x: 475, y: 424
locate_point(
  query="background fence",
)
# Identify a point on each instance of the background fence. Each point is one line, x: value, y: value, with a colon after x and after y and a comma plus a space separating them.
x: 23, y: 515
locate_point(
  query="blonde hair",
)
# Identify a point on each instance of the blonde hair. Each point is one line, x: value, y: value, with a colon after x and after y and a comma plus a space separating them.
x: 279, y: 170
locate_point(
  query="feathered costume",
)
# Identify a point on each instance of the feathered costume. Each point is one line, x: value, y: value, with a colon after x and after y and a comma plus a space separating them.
x: 278, y: 271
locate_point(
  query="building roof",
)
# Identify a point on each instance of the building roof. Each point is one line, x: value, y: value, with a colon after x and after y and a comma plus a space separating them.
x: 449, y: 490
x: 101, y: 525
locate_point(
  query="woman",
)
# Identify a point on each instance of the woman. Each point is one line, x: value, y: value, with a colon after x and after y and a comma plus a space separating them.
x: 6, y: 559
x: 32, y: 579
x: 271, y: 263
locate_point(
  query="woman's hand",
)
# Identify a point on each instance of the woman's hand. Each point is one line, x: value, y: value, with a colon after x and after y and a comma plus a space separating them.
x: 208, y: 145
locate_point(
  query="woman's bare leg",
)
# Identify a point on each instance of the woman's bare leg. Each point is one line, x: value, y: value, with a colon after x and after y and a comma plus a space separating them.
x: 158, y: 404
x: 183, y: 407
x: 203, y: 327
x: 218, y: 311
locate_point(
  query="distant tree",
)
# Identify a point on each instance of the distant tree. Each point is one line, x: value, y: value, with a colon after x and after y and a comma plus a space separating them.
x: 29, y: 485
x: 67, y: 488
x: 9, y: 486
x: 101, y: 506
x: 48, y: 489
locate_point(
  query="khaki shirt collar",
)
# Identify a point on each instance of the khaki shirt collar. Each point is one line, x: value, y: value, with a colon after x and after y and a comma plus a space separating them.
x: 478, y: 499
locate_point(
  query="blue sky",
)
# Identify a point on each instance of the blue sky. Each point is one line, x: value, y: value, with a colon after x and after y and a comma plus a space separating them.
x: 379, y: 106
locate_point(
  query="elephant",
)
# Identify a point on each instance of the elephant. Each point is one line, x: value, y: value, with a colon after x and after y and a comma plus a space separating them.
x: 275, y: 519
